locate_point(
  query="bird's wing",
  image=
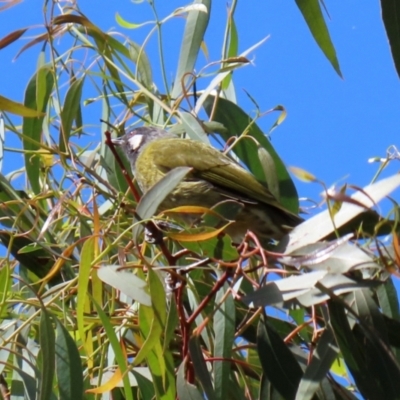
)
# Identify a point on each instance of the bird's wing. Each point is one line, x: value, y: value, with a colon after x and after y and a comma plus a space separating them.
x: 214, y: 167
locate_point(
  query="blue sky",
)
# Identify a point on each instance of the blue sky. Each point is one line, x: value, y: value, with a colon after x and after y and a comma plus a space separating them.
x: 333, y: 125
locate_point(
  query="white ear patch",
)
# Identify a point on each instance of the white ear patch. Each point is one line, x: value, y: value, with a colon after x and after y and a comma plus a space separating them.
x: 135, y: 141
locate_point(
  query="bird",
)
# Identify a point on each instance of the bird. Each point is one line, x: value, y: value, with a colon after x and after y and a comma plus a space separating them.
x: 214, y: 178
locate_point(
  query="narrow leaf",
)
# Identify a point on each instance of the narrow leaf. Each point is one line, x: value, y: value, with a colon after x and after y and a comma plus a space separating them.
x: 126, y: 282
x: 69, y: 112
x: 320, y: 226
x: 151, y: 200
x: 18, y: 108
x: 321, y: 362
x: 68, y: 365
x: 196, y: 25
x: 47, y: 348
x: 200, y: 367
x: 119, y: 354
x: 236, y: 122
x: 11, y: 38
x: 224, y: 331
x: 391, y: 20
x: 312, y: 13
x: 278, y: 363
x: 185, y: 389
x: 32, y: 127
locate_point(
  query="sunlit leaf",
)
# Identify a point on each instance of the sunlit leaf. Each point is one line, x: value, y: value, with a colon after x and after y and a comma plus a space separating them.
x: 32, y: 127
x: 126, y: 282
x: 18, y: 108
x: 321, y: 361
x: 196, y: 25
x: 312, y: 13
x: 69, y: 111
x: 320, y: 226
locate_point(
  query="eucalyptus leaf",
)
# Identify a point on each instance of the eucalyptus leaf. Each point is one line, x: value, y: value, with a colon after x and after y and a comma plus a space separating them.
x: 196, y: 25
x: 126, y: 282
x: 152, y: 199
x: 278, y: 362
x: 312, y: 14
x: 186, y: 390
x: 320, y: 225
x: 321, y: 361
x: 391, y: 18
x: 193, y: 128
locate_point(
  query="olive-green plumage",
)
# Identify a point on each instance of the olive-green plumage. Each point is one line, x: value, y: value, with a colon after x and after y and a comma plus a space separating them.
x: 214, y: 178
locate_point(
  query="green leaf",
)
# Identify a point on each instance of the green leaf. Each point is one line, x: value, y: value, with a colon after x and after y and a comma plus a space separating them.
x: 224, y: 332
x: 278, y: 362
x: 119, y: 355
x: 200, y: 367
x: 151, y: 200
x: 353, y: 351
x: 68, y: 365
x: 388, y: 299
x: 185, y: 389
x: 32, y: 127
x: 312, y: 13
x: 2, y: 137
x: 47, y: 348
x: 5, y: 288
x: 391, y: 20
x: 87, y: 256
x: 233, y: 46
x: 18, y: 108
x: 196, y: 25
x: 316, y: 370
x: 139, y: 57
x: 126, y: 282
x: 193, y: 128
x: 270, y: 175
x: 69, y: 112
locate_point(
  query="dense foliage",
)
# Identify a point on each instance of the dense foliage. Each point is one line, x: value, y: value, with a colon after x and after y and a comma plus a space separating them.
x: 89, y: 306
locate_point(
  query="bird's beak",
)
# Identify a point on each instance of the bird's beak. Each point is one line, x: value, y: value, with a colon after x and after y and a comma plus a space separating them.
x: 117, y: 141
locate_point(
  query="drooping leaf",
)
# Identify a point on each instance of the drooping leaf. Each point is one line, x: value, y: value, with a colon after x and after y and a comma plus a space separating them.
x: 224, y: 331
x: 32, y: 127
x: 391, y: 20
x: 18, y: 108
x: 200, y: 367
x: 151, y: 200
x: 279, y: 364
x: 321, y: 226
x: 185, y: 389
x: 47, y: 348
x: 321, y: 361
x: 68, y: 365
x: 196, y: 25
x: 69, y: 111
x: 312, y: 14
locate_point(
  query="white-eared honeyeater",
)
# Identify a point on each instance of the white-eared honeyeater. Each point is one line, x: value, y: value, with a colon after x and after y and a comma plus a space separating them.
x: 215, y: 177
